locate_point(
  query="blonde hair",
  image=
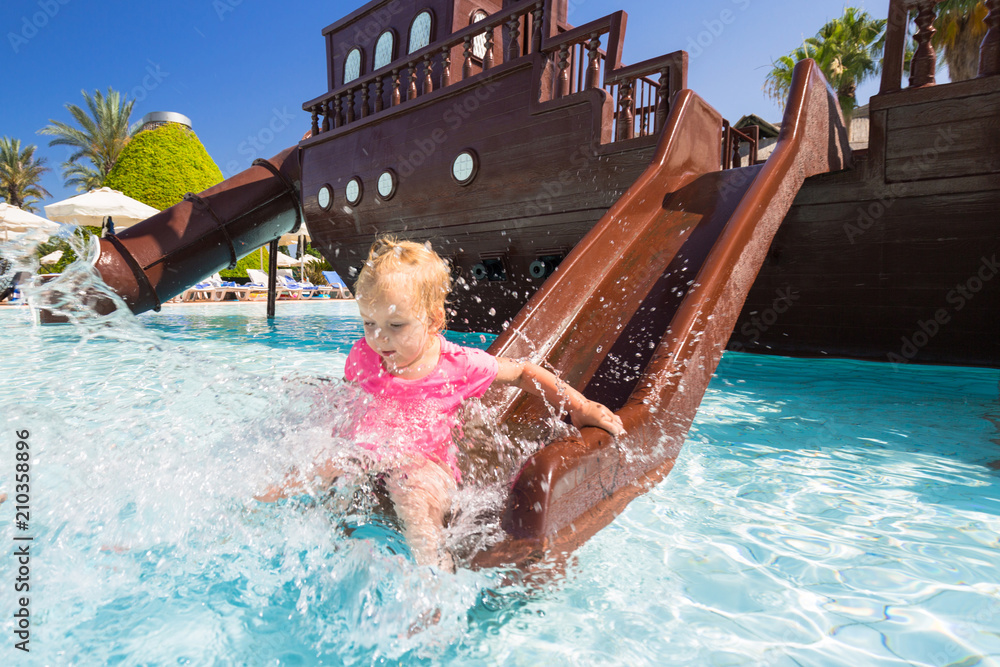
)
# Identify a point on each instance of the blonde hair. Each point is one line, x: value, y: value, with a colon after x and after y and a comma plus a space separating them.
x: 413, y: 266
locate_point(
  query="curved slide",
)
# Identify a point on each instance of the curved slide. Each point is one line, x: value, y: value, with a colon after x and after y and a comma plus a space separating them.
x: 157, y: 259
x: 639, y: 313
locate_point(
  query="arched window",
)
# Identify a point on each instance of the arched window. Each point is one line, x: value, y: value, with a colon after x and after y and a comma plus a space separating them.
x: 384, y: 49
x: 352, y: 65
x: 479, y: 41
x: 420, y: 32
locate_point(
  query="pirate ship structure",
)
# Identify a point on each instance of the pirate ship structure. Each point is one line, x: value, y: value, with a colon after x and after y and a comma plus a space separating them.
x: 599, y: 217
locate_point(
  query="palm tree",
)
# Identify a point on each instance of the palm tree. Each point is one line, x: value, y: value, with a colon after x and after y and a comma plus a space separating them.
x: 960, y: 29
x: 20, y: 172
x: 100, y: 137
x: 848, y: 51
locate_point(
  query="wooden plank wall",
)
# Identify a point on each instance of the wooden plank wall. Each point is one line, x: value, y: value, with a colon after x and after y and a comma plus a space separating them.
x: 896, y: 260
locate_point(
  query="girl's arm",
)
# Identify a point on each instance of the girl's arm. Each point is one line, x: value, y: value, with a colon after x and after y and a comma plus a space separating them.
x: 534, y: 379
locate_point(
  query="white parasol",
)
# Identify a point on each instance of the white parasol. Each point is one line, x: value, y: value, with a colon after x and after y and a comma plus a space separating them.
x: 14, y: 220
x: 289, y: 239
x: 51, y: 258
x: 93, y: 208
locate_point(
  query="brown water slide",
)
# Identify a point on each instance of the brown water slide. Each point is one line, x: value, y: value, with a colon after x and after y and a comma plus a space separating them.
x: 639, y: 313
x: 160, y: 257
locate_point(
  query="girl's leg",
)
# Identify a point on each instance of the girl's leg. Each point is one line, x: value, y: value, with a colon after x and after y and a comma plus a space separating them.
x: 421, y: 493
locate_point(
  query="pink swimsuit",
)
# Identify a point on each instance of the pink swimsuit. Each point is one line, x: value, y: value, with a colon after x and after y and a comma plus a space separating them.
x: 415, y: 417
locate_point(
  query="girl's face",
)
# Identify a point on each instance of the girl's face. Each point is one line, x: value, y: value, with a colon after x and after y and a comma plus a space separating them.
x: 398, y: 331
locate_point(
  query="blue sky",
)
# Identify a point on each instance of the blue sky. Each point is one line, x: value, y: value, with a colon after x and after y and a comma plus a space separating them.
x: 241, y: 69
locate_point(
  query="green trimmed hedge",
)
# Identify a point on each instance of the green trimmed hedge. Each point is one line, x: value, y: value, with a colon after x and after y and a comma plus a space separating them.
x: 159, y: 166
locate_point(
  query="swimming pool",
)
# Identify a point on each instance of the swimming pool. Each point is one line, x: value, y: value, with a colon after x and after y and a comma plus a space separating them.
x: 822, y: 512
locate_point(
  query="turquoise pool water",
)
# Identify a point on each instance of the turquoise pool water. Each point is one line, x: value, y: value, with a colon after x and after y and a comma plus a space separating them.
x: 821, y: 513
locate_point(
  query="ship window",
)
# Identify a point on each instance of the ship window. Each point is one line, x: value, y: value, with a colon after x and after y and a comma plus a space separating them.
x: 479, y: 41
x: 354, y: 191
x: 383, y: 49
x: 420, y: 31
x: 352, y: 65
x: 387, y: 184
x: 325, y: 197
x: 465, y: 167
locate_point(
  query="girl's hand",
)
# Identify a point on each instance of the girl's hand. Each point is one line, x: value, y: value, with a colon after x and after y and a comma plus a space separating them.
x: 595, y: 414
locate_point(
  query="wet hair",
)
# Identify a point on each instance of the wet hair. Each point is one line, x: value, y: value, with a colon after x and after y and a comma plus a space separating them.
x: 413, y: 266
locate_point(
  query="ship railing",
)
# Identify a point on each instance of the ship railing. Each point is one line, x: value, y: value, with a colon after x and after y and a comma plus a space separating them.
x: 924, y: 61
x: 642, y: 94
x: 576, y: 63
x: 520, y: 27
x: 732, y: 141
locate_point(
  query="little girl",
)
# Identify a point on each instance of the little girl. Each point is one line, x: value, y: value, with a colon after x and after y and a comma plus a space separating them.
x: 417, y: 381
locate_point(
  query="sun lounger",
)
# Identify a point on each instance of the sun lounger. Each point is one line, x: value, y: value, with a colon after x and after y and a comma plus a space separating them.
x: 215, y: 289
x: 337, y: 284
x: 309, y: 291
x: 259, y: 284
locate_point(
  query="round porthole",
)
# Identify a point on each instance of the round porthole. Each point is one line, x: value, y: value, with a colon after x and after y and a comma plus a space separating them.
x: 354, y: 191
x: 387, y: 184
x: 465, y: 167
x: 325, y: 197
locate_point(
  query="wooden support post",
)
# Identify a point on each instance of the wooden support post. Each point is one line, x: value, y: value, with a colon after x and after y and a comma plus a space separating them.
x: 467, y: 54
x: 396, y: 96
x: 379, y: 105
x: 626, y: 119
x: 315, y: 120
x: 349, y: 116
x: 537, y: 14
x: 411, y: 77
x: 445, y: 66
x: 488, y: 55
x: 337, y: 118
x: 895, y: 45
x: 989, y: 52
x: 662, y: 100
x: 428, y: 69
x: 365, y: 110
x: 563, y: 89
x: 272, y: 277
x: 922, y: 69
x: 593, y: 66
x: 513, y: 38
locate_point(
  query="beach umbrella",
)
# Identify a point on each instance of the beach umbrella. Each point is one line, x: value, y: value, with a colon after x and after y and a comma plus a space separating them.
x: 93, y: 208
x: 14, y: 220
x: 285, y: 260
x: 51, y: 258
x: 289, y: 239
